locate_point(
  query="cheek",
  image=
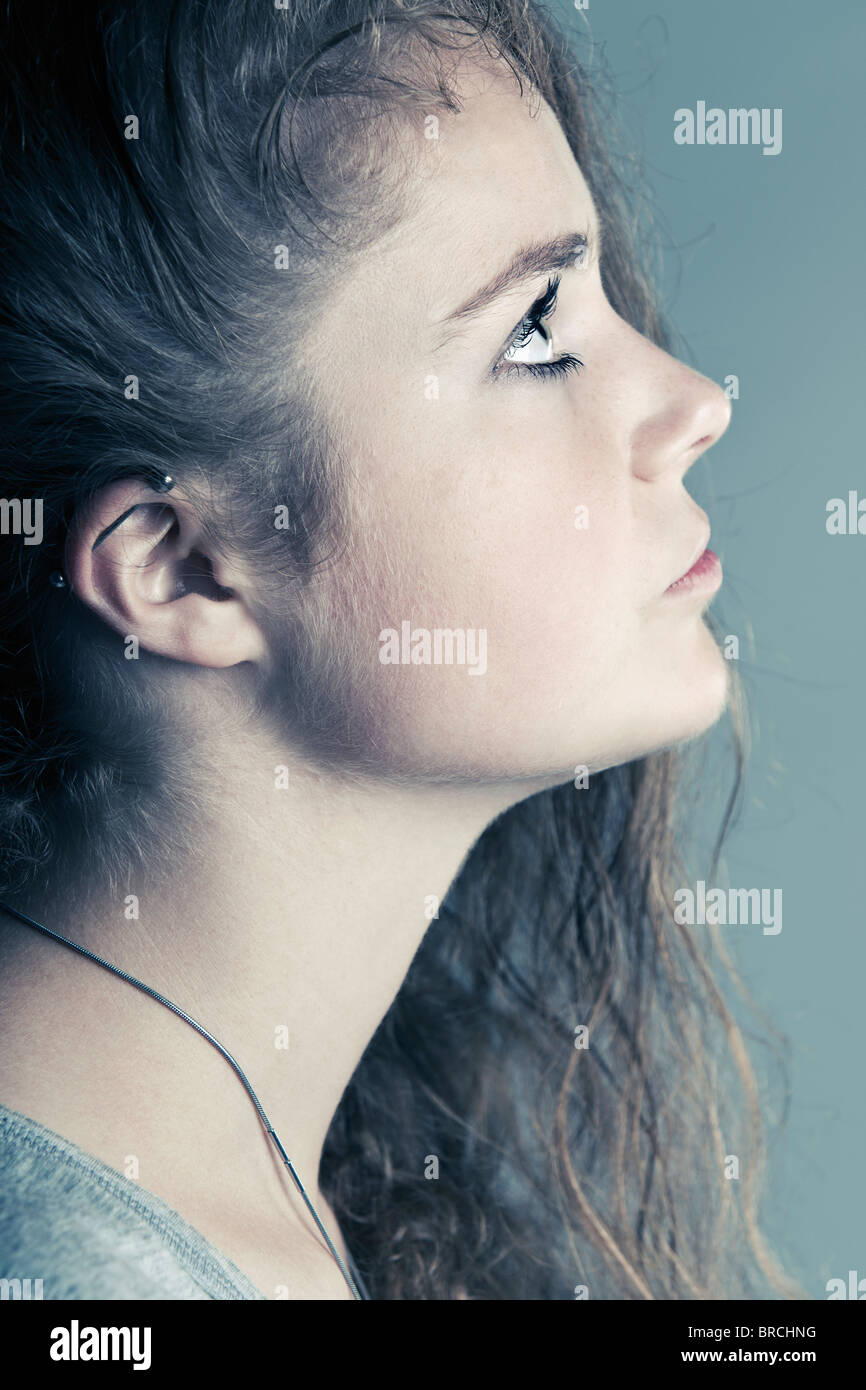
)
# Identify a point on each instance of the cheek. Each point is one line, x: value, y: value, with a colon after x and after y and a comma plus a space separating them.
x: 495, y: 545
x: 557, y: 599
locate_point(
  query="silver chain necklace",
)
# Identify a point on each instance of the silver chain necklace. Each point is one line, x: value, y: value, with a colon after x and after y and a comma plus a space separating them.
x: 357, y: 1292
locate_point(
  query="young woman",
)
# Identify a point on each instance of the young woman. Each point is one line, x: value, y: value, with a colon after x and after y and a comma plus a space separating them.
x: 360, y: 617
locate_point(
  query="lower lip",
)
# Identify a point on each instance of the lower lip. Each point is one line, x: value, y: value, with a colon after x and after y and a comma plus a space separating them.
x: 704, y: 577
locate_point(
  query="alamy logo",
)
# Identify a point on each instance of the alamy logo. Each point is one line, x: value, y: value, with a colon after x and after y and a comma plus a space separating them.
x: 22, y: 516
x: 76, y: 1343
x: 736, y: 126
x: 855, y: 1287
x: 736, y: 907
x: 20, y: 1288
x: 846, y: 521
x: 448, y: 646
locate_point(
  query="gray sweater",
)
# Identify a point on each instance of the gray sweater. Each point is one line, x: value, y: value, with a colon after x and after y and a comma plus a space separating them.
x: 86, y: 1231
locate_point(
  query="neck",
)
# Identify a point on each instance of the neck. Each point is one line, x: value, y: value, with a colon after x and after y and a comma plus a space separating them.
x: 286, y: 935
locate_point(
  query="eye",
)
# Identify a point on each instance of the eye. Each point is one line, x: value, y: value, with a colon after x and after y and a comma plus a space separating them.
x: 533, y: 341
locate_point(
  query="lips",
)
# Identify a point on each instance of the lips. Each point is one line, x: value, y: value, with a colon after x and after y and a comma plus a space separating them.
x: 697, y: 552
x: 704, y: 577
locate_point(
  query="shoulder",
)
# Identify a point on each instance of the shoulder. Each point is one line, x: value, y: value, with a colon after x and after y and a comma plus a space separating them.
x: 77, y: 1230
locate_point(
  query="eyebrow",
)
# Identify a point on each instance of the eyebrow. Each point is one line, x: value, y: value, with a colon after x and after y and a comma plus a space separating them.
x: 530, y: 261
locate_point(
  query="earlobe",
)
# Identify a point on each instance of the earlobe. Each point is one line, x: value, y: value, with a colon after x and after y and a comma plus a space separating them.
x: 134, y: 562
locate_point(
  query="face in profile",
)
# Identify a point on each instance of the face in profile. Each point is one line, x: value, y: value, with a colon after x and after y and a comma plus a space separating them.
x: 517, y: 457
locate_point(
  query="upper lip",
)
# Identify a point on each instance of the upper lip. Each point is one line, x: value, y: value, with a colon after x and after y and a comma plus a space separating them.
x: 697, y: 552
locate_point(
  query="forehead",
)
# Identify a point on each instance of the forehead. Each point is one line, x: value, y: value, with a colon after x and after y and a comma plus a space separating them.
x: 505, y: 155
x: 482, y: 182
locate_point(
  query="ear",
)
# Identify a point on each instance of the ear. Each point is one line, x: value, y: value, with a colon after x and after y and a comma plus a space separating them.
x: 151, y: 577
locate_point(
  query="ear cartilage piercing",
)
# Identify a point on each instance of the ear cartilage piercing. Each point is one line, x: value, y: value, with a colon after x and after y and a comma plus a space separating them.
x: 163, y: 484
x: 114, y: 525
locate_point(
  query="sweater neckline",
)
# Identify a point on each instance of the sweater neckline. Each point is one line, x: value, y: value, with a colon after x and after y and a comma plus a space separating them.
x: 173, y: 1227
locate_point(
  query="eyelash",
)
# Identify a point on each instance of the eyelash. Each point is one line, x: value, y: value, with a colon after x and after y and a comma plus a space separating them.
x: 534, y: 320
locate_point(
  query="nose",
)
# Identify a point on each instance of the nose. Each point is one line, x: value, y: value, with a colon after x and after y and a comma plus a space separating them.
x: 680, y: 413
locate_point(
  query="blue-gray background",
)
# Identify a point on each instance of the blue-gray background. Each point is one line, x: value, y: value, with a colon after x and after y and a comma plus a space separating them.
x: 763, y: 275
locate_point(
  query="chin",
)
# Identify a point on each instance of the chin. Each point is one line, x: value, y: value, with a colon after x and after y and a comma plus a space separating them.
x: 678, y: 705
x: 702, y: 698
